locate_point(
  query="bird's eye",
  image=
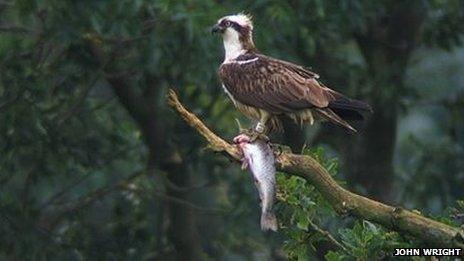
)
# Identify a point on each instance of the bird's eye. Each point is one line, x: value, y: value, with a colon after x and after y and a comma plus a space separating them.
x: 227, y: 23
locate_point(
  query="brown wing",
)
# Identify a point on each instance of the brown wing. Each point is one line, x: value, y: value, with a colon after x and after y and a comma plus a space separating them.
x: 274, y: 85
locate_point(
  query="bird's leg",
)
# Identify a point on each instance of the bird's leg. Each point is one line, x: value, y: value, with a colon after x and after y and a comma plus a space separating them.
x: 243, y: 132
x: 240, y: 128
x: 260, y: 127
x: 259, y: 132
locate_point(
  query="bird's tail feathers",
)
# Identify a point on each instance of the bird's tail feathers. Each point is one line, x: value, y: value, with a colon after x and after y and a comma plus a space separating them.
x: 349, y: 109
x: 343, y: 102
x: 331, y: 116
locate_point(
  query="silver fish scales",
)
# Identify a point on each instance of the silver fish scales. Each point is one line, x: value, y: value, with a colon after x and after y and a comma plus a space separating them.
x: 259, y: 159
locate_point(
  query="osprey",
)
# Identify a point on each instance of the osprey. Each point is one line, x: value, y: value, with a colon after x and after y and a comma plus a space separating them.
x: 264, y: 88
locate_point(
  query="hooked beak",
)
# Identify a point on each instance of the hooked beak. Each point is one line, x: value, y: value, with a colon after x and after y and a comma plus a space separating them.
x: 217, y: 29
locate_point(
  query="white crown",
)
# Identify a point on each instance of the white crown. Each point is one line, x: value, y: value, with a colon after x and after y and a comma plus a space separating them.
x: 241, y: 19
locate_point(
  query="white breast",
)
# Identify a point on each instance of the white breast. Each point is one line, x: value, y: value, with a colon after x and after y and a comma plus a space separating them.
x: 232, y: 45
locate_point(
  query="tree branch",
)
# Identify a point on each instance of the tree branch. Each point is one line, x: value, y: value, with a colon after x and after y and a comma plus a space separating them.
x: 327, y: 236
x: 176, y: 200
x: 343, y: 201
x: 4, y: 28
x: 93, y: 196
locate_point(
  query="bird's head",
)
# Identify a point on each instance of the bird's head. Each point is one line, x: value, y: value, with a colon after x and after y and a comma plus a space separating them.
x: 236, y: 31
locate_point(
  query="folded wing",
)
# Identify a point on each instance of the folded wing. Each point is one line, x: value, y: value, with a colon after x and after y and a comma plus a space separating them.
x: 274, y: 85
x: 280, y: 87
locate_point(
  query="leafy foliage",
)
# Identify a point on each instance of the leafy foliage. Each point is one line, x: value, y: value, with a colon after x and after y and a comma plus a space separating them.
x: 307, y: 219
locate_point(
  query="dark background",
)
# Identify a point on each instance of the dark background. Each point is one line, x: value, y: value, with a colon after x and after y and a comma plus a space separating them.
x: 94, y: 165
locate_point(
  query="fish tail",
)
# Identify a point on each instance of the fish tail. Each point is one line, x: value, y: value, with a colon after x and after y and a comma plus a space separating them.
x: 268, y: 221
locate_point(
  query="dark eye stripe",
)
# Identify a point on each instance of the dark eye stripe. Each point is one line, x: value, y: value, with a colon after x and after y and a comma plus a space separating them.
x: 236, y: 26
x: 230, y: 24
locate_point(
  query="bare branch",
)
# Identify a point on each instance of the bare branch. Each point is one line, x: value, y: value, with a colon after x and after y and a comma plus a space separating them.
x: 4, y: 28
x: 327, y: 235
x: 6, y: 3
x: 11, y: 101
x: 94, y: 196
x: 65, y: 190
x: 171, y: 185
x: 176, y: 200
x: 82, y: 96
x: 343, y: 201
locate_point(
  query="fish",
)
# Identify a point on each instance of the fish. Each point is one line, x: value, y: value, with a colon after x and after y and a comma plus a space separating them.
x: 259, y: 158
